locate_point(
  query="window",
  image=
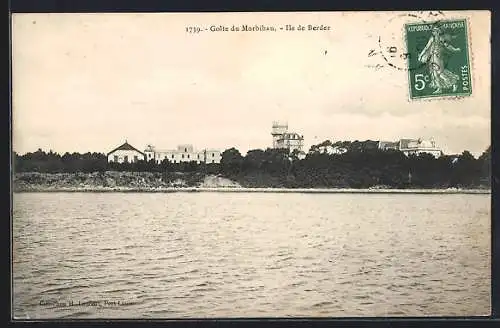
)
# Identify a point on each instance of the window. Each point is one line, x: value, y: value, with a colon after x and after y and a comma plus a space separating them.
x: 135, y: 159
x: 125, y: 159
x: 213, y: 154
x: 185, y: 150
x: 182, y: 155
x: 115, y: 158
x: 188, y: 155
x: 172, y: 155
x: 213, y: 161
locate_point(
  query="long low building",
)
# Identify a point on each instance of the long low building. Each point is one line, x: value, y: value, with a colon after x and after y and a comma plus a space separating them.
x: 183, y: 153
x: 126, y: 153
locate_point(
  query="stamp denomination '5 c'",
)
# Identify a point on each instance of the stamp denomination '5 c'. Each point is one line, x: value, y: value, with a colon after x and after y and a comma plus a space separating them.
x: 439, y: 53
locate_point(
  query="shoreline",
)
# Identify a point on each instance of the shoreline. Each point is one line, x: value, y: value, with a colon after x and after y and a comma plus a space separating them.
x: 253, y: 190
x: 126, y: 182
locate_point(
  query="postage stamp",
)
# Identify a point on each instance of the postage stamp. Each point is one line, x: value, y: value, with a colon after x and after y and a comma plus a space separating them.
x: 438, y: 53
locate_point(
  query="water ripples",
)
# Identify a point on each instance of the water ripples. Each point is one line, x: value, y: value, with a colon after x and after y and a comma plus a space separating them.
x: 219, y: 255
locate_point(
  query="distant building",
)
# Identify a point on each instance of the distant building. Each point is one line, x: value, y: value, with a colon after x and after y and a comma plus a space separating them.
x: 413, y: 147
x: 183, y: 153
x: 284, y: 139
x: 330, y: 150
x: 388, y: 145
x: 125, y: 153
x: 301, y: 155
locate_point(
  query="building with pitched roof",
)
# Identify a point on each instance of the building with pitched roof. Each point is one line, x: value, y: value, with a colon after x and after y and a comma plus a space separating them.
x: 125, y: 153
x: 413, y: 147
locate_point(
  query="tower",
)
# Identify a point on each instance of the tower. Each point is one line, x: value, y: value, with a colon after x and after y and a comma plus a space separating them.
x: 433, y: 142
x: 149, y: 153
x: 277, y: 132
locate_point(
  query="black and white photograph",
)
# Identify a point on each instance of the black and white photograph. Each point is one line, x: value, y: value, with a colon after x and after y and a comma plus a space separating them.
x: 251, y: 165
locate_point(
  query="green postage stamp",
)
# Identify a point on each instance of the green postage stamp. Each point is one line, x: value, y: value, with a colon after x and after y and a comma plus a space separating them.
x: 438, y: 59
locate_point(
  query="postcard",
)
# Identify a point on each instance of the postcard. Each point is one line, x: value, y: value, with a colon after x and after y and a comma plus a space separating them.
x: 229, y: 165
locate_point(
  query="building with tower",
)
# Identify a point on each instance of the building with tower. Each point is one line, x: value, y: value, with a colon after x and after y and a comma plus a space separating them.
x: 282, y: 138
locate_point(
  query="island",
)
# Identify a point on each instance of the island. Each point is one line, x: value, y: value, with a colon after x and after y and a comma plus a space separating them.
x: 270, y: 170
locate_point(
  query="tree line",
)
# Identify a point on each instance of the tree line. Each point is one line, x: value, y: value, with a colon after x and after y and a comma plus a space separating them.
x: 360, y: 165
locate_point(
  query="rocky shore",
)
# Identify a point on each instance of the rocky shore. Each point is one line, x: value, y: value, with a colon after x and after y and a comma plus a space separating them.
x: 111, y: 181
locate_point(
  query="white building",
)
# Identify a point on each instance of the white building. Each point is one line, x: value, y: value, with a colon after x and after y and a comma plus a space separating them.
x: 413, y: 147
x: 385, y: 145
x: 282, y: 138
x: 301, y: 155
x: 330, y: 150
x: 125, y: 154
x: 183, y: 153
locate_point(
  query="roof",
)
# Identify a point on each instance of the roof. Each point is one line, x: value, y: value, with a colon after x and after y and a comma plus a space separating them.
x: 405, y: 142
x: 126, y: 146
x: 290, y: 136
x: 387, y: 144
x: 181, y: 151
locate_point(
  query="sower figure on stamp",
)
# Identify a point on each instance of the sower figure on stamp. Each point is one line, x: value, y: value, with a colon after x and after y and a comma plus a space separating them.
x: 432, y: 54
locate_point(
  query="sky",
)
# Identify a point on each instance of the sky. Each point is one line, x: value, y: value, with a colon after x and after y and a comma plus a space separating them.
x: 88, y: 82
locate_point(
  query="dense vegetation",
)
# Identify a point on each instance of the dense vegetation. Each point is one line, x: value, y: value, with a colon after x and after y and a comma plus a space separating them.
x: 361, y: 166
